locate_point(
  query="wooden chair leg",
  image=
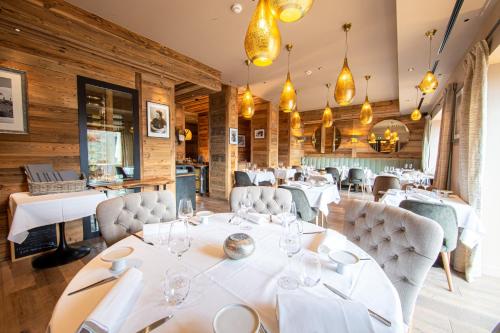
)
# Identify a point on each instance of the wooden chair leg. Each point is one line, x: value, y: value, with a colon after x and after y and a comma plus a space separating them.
x: 446, y: 264
x: 349, y: 189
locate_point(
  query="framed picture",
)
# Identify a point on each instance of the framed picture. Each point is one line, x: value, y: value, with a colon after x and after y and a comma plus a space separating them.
x: 260, y: 133
x: 13, y: 102
x: 241, y: 141
x: 233, y: 136
x: 158, y: 120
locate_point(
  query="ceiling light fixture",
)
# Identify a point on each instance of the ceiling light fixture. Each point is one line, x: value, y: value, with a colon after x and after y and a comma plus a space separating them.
x: 429, y: 83
x: 366, y: 115
x: 411, y: 69
x: 345, y: 88
x: 236, y: 8
x: 288, y: 98
x: 327, y: 119
x: 247, y: 103
x: 263, y: 39
x: 290, y: 10
x: 295, y: 121
x: 17, y: 30
x: 416, y: 114
x: 308, y: 72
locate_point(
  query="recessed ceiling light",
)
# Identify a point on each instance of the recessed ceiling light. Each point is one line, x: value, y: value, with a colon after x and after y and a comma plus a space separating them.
x: 308, y: 72
x: 411, y: 69
x: 236, y: 8
x: 17, y: 30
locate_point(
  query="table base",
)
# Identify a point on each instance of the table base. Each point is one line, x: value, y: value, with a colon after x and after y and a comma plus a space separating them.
x: 64, y: 254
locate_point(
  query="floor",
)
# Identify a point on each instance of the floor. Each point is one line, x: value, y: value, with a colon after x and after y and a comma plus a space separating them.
x: 27, y: 296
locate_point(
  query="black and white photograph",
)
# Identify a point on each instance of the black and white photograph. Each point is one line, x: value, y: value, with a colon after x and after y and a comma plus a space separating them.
x: 241, y: 141
x: 13, y: 118
x: 158, y: 120
x: 260, y: 133
x: 233, y: 136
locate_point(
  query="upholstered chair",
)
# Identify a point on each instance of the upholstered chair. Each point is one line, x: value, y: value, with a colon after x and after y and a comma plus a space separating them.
x: 265, y: 200
x: 404, y: 244
x: 120, y: 216
x: 335, y: 175
x: 298, y: 176
x: 355, y: 177
x: 447, y: 218
x: 297, y: 168
x: 241, y: 179
x: 304, y: 209
x: 384, y: 183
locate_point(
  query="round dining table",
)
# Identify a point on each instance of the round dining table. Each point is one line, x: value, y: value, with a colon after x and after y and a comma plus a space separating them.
x: 218, y: 281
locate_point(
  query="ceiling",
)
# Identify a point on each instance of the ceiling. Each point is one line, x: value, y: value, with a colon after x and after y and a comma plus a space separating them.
x: 384, y: 41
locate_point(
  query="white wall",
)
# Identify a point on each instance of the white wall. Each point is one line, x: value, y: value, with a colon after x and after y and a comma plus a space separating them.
x: 491, y: 184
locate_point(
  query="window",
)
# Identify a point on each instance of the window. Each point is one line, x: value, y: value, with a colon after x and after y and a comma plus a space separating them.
x: 435, y: 130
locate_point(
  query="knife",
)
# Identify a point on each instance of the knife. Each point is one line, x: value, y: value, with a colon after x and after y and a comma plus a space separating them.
x: 371, y: 312
x: 155, y: 324
x: 98, y: 283
x: 141, y: 238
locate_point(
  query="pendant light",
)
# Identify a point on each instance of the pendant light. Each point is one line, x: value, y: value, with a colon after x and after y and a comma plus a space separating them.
x: 290, y: 10
x: 247, y: 103
x: 288, y: 98
x: 345, y: 88
x: 372, y: 138
x: 416, y: 114
x: 429, y: 83
x: 387, y: 134
x: 366, y: 115
x: 263, y: 39
x: 295, y: 121
x: 327, y: 113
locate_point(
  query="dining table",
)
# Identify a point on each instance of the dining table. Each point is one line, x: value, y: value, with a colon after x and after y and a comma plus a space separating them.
x: 284, y: 173
x: 257, y: 176
x: 318, y: 195
x: 217, y: 281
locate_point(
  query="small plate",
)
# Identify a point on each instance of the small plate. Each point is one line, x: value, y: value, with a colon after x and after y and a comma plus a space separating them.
x: 203, y: 215
x: 343, y: 257
x: 117, y: 258
x: 236, y: 318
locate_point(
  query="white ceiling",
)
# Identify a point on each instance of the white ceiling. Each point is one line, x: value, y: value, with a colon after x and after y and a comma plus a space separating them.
x: 209, y: 32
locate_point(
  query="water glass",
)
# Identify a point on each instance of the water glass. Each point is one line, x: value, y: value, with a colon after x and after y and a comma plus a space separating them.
x: 310, y: 269
x: 290, y: 244
x: 176, y: 285
x: 178, y: 238
x: 185, y: 209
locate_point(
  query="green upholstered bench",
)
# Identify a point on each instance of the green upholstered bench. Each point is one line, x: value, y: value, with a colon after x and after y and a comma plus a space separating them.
x: 375, y: 164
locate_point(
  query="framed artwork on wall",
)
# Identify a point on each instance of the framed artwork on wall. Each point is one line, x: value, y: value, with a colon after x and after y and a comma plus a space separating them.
x: 241, y: 141
x: 260, y: 133
x: 13, y: 102
x: 233, y: 136
x: 158, y: 120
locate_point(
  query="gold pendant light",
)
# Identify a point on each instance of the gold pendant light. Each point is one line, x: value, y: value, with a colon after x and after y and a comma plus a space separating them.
x: 429, y: 83
x: 290, y: 10
x: 247, y: 103
x: 345, y: 88
x: 416, y: 114
x: 387, y: 134
x: 288, y: 98
x: 263, y: 39
x: 327, y: 113
x: 366, y: 115
x: 295, y: 121
x: 372, y: 138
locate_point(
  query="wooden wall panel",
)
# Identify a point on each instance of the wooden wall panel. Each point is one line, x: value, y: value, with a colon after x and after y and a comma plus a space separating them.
x: 203, y: 139
x: 273, y: 134
x: 180, y: 123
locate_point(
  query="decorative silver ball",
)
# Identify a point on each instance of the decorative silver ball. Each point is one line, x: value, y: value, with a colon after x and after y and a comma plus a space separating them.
x: 238, y: 246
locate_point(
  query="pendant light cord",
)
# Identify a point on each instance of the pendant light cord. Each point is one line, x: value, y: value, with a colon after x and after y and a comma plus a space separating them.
x: 366, y: 92
x: 346, y: 44
x: 248, y: 74
x: 416, y: 99
x: 430, y: 50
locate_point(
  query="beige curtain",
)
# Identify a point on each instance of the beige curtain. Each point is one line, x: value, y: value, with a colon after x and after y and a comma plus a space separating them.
x: 443, y: 164
x: 426, y: 147
x: 471, y: 150
x: 127, y: 148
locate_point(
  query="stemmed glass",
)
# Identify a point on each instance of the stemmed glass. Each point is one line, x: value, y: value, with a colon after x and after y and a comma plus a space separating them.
x: 425, y: 183
x: 289, y: 243
x: 178, y: 238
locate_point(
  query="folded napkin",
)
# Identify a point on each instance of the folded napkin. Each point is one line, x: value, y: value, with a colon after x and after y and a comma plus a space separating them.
x: 303, y: 312
x: 332, y: 240
x: 255, y: 218
x: 113, y: 309
x: 393, y: 191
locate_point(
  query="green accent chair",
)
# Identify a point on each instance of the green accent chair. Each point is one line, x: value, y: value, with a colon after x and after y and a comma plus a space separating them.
x: 304, y: 210
x: 355, y: 177
x: 335, y: 175
x: 241, y: 178
x: 446, y: 217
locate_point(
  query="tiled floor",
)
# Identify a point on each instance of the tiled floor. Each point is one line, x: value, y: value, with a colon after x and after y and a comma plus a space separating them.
x: 27, y: 297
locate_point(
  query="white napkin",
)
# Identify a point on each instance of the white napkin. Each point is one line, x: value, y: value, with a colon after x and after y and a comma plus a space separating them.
x: 332, y: 240
x: 303, y: 312
x: 112, y: 310
x: 256, y: 218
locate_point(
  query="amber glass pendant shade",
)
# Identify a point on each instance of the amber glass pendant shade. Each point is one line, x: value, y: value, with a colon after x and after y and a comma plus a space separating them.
x: 372, y: 138
x: 288, y: 98
x: 366, y: 115
x: 290, y: 10
x: 345, y: 88
x: 247, y: 104
x: 416, y: 115
x: 387, y: 133
x: 429, y: 83
x: 327, y: 119
x: 295, y: 120
x: 263, y: 39
x: 188, y: 135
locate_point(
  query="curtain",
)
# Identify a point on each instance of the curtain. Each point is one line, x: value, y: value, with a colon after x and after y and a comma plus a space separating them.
x: 128, y: 148
x: 443, y: 165
x: 426, y: 147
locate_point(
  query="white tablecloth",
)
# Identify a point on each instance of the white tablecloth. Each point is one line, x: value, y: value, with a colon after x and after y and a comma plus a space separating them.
x: 260, y: 176
x: 319, y: 197
x: 219, y: 281
x: 31, y: 211
x: 284, y: 173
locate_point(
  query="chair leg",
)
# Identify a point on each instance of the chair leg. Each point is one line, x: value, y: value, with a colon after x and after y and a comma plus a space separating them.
x: 349, y: 189
x: 446, y: 264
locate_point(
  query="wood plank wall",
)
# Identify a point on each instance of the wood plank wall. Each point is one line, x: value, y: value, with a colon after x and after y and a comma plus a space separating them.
x: 244, y: 128
x: 56, y: 43
x: 347, y: 120
x: 264, y: 152
x: 180, y: 123
x: 203, y: 139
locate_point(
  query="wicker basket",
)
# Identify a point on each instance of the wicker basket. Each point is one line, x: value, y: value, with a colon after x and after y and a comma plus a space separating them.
x: 39, y: 188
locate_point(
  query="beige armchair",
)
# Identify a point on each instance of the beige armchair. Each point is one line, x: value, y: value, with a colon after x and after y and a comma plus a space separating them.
x: 265, y: 200
x: 384, y: 183
x: 120, y: 216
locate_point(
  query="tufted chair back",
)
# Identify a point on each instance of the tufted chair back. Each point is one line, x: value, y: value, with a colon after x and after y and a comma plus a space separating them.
x: 117, y: 217
x: 404, y: 244
x: 384, y: 183
x: 265, y: 200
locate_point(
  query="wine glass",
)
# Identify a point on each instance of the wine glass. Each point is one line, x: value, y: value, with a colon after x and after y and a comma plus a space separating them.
x: 176, y: 285
x: 310, y: 269
x: 178, y: 238
x: 425, y: 183
x: 289, y: 243
x: 185, y: 209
